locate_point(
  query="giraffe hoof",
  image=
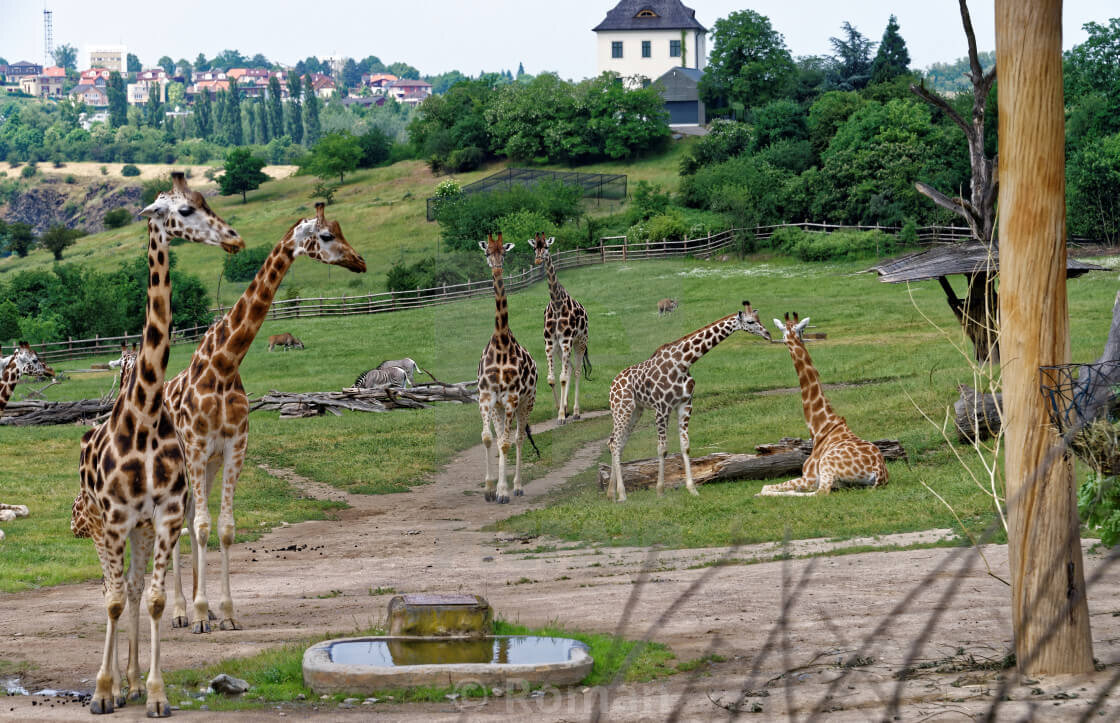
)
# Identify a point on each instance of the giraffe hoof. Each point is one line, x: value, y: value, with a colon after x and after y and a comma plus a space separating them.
x: 489, y: 496
x: 694, y: 492
x: 228, y: 624
x: 99, y: 706
x: 210, y: 615
x: 576, y: 415
x: 179, y: 621
x: 159, y: 709
x: 503, y: 500
x: 202, y: 626
x: 121, y: 700
x: 133, y: 697
x: 519, y: 493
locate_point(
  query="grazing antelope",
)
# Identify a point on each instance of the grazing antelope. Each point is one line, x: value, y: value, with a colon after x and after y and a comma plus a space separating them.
x: 666, y: 306
x: 285, y: 340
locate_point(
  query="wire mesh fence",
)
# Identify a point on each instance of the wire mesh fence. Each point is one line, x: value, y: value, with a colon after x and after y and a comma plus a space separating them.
x: 1084, y: 406
x: 599, y: 186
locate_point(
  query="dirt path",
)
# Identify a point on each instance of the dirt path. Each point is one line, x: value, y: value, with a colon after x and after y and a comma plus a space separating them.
x: 319, y: 577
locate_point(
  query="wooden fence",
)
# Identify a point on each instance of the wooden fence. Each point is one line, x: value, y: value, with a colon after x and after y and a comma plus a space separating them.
x: 610, y: 249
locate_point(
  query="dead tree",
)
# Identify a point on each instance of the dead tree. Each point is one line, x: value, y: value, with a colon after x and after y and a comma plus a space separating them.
x: 978, y: 311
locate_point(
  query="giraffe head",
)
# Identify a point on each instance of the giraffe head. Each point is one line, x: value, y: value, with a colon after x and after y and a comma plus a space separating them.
x: 540, y: 245
x: 748, y: 322
x: 184, y: 214
x: 127, y: 363
x: 322, y: 240
x: 28, y: 363
x: 792, y: 329
x: 495, y: 250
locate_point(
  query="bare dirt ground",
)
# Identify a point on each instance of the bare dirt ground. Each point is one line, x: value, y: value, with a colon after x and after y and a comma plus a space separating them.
x: 852, y: 622
x: 92, y: 169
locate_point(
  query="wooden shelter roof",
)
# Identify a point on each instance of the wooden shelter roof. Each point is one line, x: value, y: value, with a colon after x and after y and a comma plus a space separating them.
x: 967, y: 258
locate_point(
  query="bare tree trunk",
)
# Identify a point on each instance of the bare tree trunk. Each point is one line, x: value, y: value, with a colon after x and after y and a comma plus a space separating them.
x: 1048, y: 606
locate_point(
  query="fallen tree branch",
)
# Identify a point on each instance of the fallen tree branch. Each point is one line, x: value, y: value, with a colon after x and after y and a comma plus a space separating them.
x: 773, y: 460
x: 378, y: 399
x: 37, y: 412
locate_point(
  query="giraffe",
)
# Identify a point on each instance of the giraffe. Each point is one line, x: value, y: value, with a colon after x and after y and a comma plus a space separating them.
x: 507, y: 384
x: 838, y: 456
x: 133, y: 478
x: 662, y: 383
x: 211, y: 410
x: 22, y: 362
x: 565, y: 327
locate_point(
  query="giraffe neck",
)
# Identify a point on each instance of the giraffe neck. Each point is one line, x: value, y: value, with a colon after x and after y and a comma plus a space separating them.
x: 818, y: 412
x: 501, y: 311
x: 9, y: 375
x: 145, y: 388
x: 555, y: 291
x: 244, y: 320
x: 690, y: 348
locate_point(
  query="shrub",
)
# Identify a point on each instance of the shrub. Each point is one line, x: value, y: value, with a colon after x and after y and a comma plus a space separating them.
x: 465, y: 220
x: 647, y: 201
x: 150, y: 189
x: 430, y: 273
x: 837, y: 246
x: 520, y: 226
x: 243, y: 266
x: 129, y: 170
x: 908, y: 236
x: 104, y: 170
x: 324, y: 191
x: 28, y: 171
x: 464, y: 159
x: 668, y: 226
x: 70, y: 179
x: 117, y: 217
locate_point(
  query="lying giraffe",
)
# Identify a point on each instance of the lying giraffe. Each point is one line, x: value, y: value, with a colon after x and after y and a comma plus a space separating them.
x: 662, y: 383
x: 211, y: 409
x: 507, y: 384
x: 133, y: 479
x: 565, y: 330
x: 22, y: 362
x: 838, y: 456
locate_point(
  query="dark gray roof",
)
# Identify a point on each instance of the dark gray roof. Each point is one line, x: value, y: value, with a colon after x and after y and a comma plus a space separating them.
x: 964, y: 258
x: 680, y: 84
x: 671, y: 15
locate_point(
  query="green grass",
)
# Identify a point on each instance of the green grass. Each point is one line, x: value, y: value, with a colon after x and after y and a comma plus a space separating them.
x: 276, y: 674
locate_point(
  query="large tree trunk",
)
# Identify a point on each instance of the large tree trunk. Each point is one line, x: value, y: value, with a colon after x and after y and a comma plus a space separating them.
x: 1049, y: 611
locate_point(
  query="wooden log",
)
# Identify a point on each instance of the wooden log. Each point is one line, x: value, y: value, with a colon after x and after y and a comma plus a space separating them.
x: 35, y: 412
x: 774, y: 460
x: 977, y: 415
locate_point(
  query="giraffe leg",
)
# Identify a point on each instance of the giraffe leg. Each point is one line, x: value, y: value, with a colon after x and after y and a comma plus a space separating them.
x: 179, y: 611
x: 140, y: 544
x: 549, y: 349
x: 684, y: 412
x: 504, y: 438
x: 201, y: 490
x: 577, y: 370
x: 168, y: 535
x: 565, y: 377
x: 486, y: 409
x: 662, y: 447
x: 235, y: 456
x: 107, y: 693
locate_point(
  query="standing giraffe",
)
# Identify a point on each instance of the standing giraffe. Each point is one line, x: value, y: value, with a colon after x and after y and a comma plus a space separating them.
x: 23, y: 361
x: 565, y: 326
x: 507, y: 384
x: 838, y: 456
x: 133, y: 479
x: 211, y: 409
x: 662, y: 383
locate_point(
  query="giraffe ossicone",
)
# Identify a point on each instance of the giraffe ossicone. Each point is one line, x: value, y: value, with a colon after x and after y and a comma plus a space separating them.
x: 662, y: 383
x: 839, y: 457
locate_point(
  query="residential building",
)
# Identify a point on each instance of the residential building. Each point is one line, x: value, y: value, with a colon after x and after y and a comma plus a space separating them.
x: 94, y: 76
x: 680, y: 87
x: 323, y: 85
x: 42, y: 86
x: 54, y: 72
x: 378, y: 83
x: 14, y: 71
x: 112, y: 57
x: 91, y: 95
x: 409, y: 92
x: 147, y: 82
x: 207, y: 86
x: 642, y: 39
x: 208, y: 75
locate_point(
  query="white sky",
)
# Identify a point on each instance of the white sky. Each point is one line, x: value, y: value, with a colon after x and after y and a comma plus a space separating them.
x: 469, y: 35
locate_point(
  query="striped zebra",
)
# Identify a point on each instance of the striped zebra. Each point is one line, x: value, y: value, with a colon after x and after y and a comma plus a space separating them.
x: 409, y: 366
x: 388, y: 377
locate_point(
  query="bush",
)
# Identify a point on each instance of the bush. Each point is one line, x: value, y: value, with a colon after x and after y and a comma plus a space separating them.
x: 430, y: 273
x: 28, y: 171
x: 130, y: 170
x: 464, y: 159
x: 324, y: 191
x: 467, y: 219
x: 668, y: 226
x: 150, y: 189
x: 117, y: 217
x: 104, y: 170
x: 908, y: 236
x: 70, y: 179
x: 243, y: 266
x: 837, y: 246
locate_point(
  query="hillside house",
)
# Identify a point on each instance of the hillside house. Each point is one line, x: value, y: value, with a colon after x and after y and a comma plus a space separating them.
x: 680, y: 87
x: 147, y: 82
x: 14, y: 71
x: 112, y: 57
x: 408, y: 91
x: 378, y: 83
x: 91, y: 95
x: 643, y: 39
x: 43, y: 86
x: 94, y: 76
x: 323, y: 86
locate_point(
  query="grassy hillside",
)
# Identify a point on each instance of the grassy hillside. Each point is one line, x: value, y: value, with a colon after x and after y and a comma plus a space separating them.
x: 382, y: 212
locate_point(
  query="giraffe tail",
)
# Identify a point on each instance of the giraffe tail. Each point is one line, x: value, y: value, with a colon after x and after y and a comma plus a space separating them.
x: 586, y: 364
x: 529, y: 434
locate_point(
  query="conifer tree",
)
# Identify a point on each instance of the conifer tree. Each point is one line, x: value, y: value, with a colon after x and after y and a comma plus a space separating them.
x: 311, y: 127
x: 263, y: 133
x: 233, y: 116
x: 275, y: 107
x: 893, y: 59
x: 203, y: 116
x: 118, y: 101
x: 295, y: 109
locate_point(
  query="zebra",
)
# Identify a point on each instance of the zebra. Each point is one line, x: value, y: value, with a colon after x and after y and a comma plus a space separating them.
x: 388, y: 377
x: 409, y: 366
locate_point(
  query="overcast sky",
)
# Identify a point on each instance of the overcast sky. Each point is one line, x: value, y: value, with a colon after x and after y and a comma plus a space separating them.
x: 469, y: 35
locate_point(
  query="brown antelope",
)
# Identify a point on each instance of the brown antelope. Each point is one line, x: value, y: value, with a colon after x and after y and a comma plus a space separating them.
x: 285, y: 340
x: 665, y: 306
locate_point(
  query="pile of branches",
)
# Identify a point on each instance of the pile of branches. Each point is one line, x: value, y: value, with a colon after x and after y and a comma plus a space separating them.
x: 35, y: 411
x: 377, y: 399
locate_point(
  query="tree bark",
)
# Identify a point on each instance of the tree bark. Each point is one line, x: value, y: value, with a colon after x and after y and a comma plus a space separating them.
x: 1048, y: 606
x: 977, y: 416
x: 774, y: 460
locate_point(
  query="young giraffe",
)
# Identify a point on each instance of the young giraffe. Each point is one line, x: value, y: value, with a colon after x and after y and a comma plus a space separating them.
x: 133, y: 480
x: 565, y: 326
x: 662, y: 383
x: 22, y: 362
x: 838, y: 456
x: 211, y: 408
x: 507, y: 384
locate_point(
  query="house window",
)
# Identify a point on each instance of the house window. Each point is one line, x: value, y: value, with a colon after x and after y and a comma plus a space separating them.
x: 616, y: 49
x: 646, y: 13
x: 646, y: 51
x: 674, y: 48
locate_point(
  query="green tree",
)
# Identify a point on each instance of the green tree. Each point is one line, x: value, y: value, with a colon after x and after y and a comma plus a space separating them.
x: 234, y: 131
x: 132, y: 64
x: 403, y: 70
x: 1093, y: 69
x: 336, y: 154
x: 176, y: 95
x: 294, y: 121
x: 1093, y: 190
x: 118, y: 101
x: 153, y: 109
x: 201, y: 64
x: 749, y: 62
x: 827, y: 114
x: 228, y: 59
x: 167, y: 64
x: 9, y: 322
x: 263, y: 132
x: 57, y: 238
x: 779, y: 120
x: 203, y: 116
x: 893, y: 59
x: 376, y: 147
x: 242, y: 173
x: 311, y: 126
x: 66, y: 56
x: 21, y: 238
x: 852, y: 54
x: 351, y: 74
x: 275, y: 107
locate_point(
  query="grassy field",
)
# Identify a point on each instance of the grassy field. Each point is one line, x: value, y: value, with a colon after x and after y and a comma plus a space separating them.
x: 874, y: 333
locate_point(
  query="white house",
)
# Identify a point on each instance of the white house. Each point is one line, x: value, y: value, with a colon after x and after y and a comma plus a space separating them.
x: 112, y: 57
x: 646, y: 38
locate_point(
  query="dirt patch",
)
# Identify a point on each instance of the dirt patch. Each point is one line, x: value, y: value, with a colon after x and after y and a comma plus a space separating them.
x: 850, y: 625
x: 92, y: 169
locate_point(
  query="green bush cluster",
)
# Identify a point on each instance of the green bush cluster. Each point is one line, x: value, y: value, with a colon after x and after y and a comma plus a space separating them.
x: 836, y: 246
x: 432, y: 272
x: 117, y: 217
x: 129, y: 170
x: 244, y: 265
x: 463, y: 220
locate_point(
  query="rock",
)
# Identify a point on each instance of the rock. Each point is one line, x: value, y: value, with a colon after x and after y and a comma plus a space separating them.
x: 228, y: 685
x: 324, y: 697
x: 497, y: 692
x: 186, y: 703
x: 350, y: 700
x: 369, y: 701
x: 301, y: 696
